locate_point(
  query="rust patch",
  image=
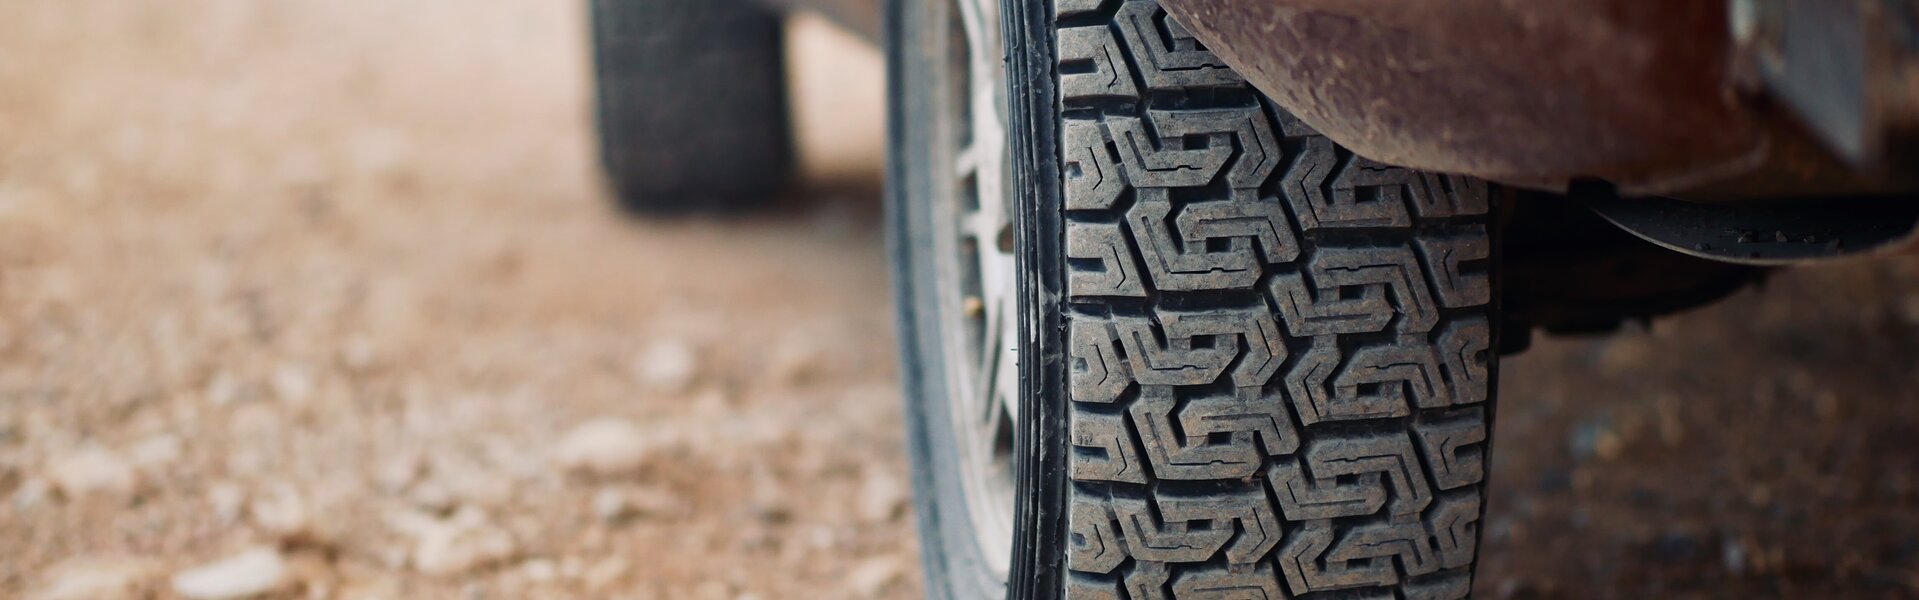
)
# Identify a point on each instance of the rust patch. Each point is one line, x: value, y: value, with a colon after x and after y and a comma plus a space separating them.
x: 1521, y: 91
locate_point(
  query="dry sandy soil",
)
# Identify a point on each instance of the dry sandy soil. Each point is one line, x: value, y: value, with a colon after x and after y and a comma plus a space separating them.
x: 328, y: 291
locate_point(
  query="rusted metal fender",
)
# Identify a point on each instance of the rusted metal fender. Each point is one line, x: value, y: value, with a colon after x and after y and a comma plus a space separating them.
x: 1529, y: 92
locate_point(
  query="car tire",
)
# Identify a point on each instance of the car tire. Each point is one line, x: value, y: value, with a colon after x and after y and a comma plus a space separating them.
x: 691, y: 104
x: 1250, y: 363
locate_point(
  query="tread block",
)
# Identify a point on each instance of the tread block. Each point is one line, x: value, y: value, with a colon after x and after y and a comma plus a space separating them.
x: 1368, y: 555
x: 1117, y: 276
x: 1182, y: 261
x: 1147, y: 581
x: 1444, y: 256
x: 1097, y: 373
x: 1094, y: 47
x: 1464, y: 349
x: 1159, y: 156
x: 1374, y: 382
x: 1195, y: 347
x: 1452, y: 196
x: 1360, y: 193
x: 1104, y: 450
x: 1165, y: 55
x: 1094, y: 179
x: 1095, y: 545
x: 1350, y: 477
x: 1194, y: 529
x: 1355, y: 290
x: 1455, y: 529
x: 1229, y: 582
x: 1454, y: 447
x: 1183, y: 448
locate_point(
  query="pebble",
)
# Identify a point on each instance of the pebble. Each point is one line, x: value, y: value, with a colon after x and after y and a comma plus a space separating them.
x: 540, y: 570
x: 90, y: 470
x: 94, y: 579
x: 31, y: 494
x: 245, y: 575
x: 611, y: 506
x: 222, y: 389
x: 396, y: 474
x: 882, y: 496
x: 465, y: 542
x: 604, y: 446
x: 227, y: 501
x: 283, y: 514
x: 157, y: 451
x: 655, y: 502
x: 293, y: 384
x: 666, y: 366
x: 873, y: 576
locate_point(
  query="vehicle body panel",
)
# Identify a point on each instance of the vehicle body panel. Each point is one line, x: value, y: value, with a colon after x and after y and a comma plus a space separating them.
x: 1536, y: 93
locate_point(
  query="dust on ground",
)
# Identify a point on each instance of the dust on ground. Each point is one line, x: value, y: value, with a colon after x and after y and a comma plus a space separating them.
x: 324, y: 299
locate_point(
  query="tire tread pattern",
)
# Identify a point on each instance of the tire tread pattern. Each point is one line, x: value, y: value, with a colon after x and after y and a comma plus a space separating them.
x: 1279, y: 352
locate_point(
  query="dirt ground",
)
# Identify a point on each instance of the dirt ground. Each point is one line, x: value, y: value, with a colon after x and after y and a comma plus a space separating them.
x: 328, y: 291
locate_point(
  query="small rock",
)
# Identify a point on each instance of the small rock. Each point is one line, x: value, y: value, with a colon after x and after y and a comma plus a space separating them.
x: 227, y: 500
x: 882, y: 496
x: 611, y: 506
x: 465, y: 542
x: 92, y: 470
x: 604, y: 446
x: 157, y: 451
x: 655, y: 502
x: 357, y: 353
x: 293, y: 384
x: 94, y: 579
x: 432, y: 496
x: 395, y: 475
x: 667, y: 366
x: 283, y: 514
x: 245, y: 575
x: 873, y: 576
x: 31, y: 494
x: 223, y: 389
x: 540, y: 570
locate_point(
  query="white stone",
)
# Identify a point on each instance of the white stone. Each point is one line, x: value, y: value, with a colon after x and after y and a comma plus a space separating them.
x: 610, y: 505
x: 157, y: 451
x: 90, y: 470
x: 94, y: 579
x: 227, y: 501
x: 882, y: 496
x: 282, y: 513
x: 31, y: 494
x: 463, y: 543
x: 223, y: 389
x: 667, y: 366
x: 245, y: 575
x: 540, y: 570
x: 604, y: 446
x: 870, y: 578
x: 293, y: 383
